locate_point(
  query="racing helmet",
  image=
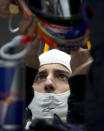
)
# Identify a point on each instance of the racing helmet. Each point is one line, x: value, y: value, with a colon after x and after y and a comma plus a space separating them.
x: 61, y: 23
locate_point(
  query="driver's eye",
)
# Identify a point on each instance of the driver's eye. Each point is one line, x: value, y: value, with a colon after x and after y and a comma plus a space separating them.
x: 62, y: 77
x: 40, y: 77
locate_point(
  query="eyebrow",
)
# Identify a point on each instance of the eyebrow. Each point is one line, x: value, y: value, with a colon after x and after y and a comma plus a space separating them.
x: 42, y: 72
x: 56, y: 71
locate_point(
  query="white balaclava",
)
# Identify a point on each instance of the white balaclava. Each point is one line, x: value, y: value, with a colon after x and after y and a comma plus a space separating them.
x: 55, y: 56
x: 45, y: 105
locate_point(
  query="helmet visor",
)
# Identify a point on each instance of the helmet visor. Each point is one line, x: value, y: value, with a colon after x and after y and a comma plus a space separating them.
x: 56, y: 9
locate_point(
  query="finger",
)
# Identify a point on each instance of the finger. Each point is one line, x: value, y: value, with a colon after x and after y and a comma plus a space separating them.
x: 83, y: 69
x: 24, y: 24
x: 31, y: 59
x: 4, y: 3
x: 83, y: 49
x: 3, y: 15
x: 76, y: 50
x: 32, y: 28
x: 36, y: 46
x: 36, y: 43
x: 4, y: 7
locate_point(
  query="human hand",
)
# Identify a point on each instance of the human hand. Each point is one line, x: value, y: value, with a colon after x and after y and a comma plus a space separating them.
x: 83, y: 69
x: 80, y: 61
x: 27, y: 26
x: 5, y: 8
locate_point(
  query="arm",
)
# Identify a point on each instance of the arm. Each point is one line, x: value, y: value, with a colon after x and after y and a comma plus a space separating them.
x: 28, y: 26
x: 80, y: 63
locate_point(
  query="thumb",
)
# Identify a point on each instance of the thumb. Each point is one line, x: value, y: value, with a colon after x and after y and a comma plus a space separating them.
x: 36, y: 43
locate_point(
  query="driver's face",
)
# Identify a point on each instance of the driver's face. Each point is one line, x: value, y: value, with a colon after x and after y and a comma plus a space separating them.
x: 52, y: 78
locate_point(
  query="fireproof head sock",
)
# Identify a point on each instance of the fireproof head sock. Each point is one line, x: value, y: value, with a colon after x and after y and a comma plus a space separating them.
x: 55, y: 56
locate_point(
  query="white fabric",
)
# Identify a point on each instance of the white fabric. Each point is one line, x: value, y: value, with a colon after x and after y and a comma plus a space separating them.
x: 27, y: 125
x: 45, y: 105
x: 55, y: 56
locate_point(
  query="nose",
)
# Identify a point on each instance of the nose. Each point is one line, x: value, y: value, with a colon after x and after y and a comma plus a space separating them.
x: 49, y: 85
x: 49, y: 89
